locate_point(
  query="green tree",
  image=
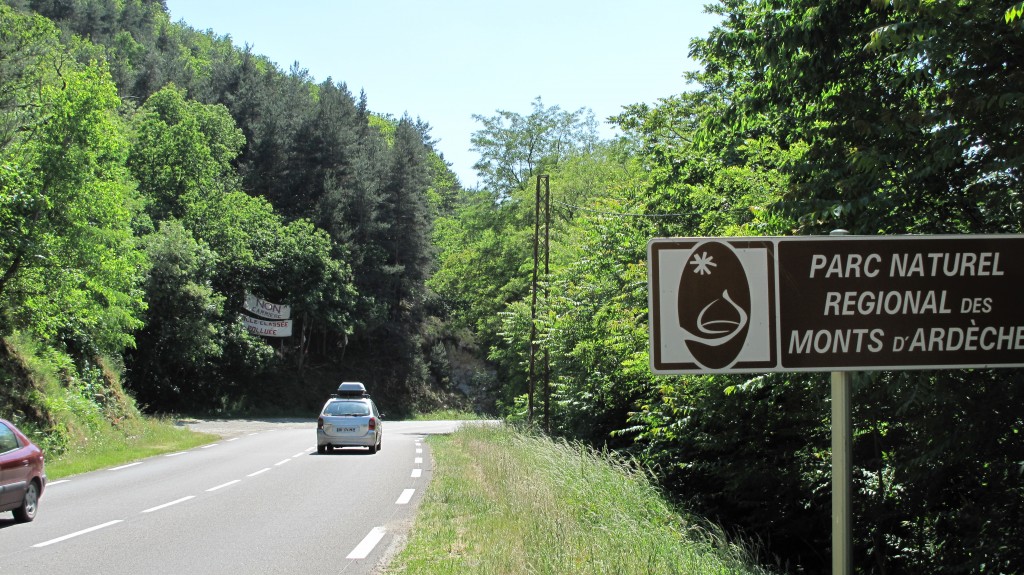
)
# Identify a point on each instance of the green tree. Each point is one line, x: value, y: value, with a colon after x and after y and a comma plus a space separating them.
x: 514, y: 148
x: 182, y: 157
x: 906, y: 109
x: 182, y: 154
x: 399, y: 262
x: 69, y: 267
x: 880, y: 118
x: 309, y: 271
x: 181, y: 339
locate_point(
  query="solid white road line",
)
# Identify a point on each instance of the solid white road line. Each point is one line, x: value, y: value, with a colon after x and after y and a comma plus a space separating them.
x: 77, y: 533
x: 58, y: 482
x: 264, y: 470
x: 406, y: 497
x: 299, y: 454
x: 175, y: 502
x: 223, y: 485
x: 282, y: 462
x: 417, y: 473
x: 366, y: 546
x: 125, y: 466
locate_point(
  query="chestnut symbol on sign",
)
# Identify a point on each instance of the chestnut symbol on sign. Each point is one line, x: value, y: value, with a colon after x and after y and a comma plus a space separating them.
x: 714, y: 304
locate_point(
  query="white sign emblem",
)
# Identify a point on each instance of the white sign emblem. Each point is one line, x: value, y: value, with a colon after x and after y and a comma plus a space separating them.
x: 711, y: 309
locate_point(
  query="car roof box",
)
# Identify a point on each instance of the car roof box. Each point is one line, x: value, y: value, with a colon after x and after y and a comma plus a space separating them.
x: 352, y: 389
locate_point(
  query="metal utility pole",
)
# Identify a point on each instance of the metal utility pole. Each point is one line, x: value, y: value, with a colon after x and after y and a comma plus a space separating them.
x: 533, y: 306
x: 547, y: 272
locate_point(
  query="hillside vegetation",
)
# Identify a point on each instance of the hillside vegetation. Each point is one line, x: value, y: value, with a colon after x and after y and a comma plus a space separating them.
x: 154, y: 176
x: 151, y: 176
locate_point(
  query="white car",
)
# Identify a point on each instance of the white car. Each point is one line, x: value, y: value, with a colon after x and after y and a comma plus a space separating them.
x: 349, y: 419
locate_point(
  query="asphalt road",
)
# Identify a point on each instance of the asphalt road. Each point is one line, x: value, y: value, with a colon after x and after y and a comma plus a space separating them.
x: 261, y: 500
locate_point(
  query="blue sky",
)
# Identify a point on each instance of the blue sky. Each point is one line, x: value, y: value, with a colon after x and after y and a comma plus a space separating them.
x: 445, y: 60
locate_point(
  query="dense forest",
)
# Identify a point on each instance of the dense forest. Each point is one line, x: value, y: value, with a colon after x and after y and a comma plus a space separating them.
x: 152, y: 175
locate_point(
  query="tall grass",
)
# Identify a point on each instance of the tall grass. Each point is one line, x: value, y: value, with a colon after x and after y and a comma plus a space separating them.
x: 507, y: 502
x: 447, y: 415
x: 79, y: 415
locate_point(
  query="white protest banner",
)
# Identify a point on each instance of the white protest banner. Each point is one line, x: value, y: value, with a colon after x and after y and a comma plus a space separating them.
x: 264, y: 308
x: 268, y: 328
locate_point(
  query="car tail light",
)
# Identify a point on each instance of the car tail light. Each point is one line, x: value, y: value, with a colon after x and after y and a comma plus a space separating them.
x: 320, y: 423
x: 373, y: 423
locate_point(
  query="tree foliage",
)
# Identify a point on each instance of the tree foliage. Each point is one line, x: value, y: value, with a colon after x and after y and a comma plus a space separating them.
x: 514, y: 148
x: 151, y: 175
x: 236, y: 177
x: 877, y: 117
x: 69, y: 268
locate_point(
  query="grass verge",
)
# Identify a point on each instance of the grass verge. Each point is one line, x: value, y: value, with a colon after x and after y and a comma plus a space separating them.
x: 447, y: 415
x: 510, y: 503
x: 110, y: 447
x: 78, y: 413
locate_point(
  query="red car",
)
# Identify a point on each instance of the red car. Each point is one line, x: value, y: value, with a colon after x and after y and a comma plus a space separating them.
x: 22, y: 473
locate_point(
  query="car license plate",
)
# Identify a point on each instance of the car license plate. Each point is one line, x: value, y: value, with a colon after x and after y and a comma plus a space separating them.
x: 345, y: 429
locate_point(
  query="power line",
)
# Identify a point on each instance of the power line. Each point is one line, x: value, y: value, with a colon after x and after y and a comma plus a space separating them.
x: 618, y: 214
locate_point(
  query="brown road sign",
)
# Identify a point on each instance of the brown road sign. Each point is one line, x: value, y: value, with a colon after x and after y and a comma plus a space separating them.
x: 733, y: 305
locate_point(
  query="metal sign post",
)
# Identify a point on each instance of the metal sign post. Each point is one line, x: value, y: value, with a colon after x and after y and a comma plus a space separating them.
x: 842, y: 467
x: 842, y: 474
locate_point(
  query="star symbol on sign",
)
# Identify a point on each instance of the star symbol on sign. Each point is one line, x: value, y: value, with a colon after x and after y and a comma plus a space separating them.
x: 703, y: 263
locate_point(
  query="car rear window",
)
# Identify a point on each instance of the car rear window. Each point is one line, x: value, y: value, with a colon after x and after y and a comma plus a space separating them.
x: 347, y: 408
x: 8, y: 441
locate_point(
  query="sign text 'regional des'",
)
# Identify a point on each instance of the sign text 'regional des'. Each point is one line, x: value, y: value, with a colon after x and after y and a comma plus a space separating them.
x: 835, y: 303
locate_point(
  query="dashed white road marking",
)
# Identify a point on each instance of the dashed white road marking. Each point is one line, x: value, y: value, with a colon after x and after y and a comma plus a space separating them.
x: 406, y: 497
x: 125, y: 466
x: 368, y: 543
x: 417, y: 472
x: 77, y: 533
x: 418, y: 460
x: 175, y: 502
x: 360, y: 552
x: 223, y: 485
x: 233, y: 439
x: 419, y: 451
